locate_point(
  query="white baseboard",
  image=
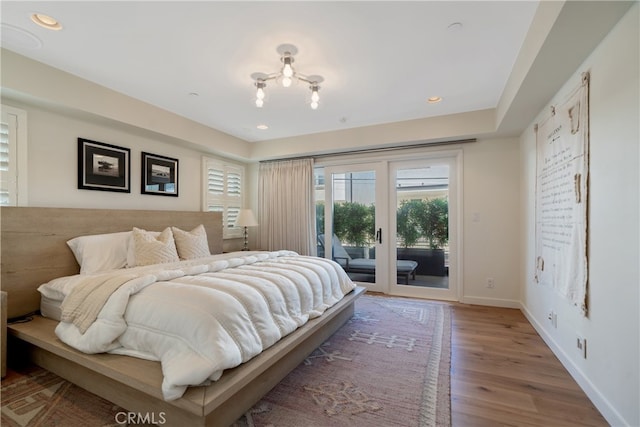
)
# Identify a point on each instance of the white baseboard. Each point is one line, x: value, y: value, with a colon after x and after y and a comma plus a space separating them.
x: 492, y: 302
x: 612, y: 416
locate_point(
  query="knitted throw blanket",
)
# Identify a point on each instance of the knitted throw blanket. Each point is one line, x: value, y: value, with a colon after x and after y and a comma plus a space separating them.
x: 83, y: 304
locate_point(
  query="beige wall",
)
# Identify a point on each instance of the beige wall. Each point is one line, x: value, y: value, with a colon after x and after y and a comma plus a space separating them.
x: 53, y: 172
x: 491, y: 222
x: 610, y: 374
x: 441, y: 128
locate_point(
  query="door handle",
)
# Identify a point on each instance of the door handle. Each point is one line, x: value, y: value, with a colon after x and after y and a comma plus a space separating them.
x: 379, y: 235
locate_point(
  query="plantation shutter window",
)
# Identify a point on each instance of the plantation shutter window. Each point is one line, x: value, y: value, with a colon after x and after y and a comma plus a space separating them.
x: 224, y: 184
x: 8, y: 159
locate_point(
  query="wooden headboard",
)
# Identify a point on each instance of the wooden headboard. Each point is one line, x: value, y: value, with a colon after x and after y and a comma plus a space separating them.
x: 33, y: 247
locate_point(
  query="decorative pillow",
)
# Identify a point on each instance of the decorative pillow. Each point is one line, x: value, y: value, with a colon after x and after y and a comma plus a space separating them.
x: 131, y: 251
x: 150, y: 248
x: 100, y: 252
x: 191, y: 244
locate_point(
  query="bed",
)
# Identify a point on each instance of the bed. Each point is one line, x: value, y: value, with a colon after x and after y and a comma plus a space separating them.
x: 34, y: 251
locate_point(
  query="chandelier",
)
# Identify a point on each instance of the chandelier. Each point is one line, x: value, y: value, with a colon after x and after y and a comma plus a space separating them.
x: 286, y: 76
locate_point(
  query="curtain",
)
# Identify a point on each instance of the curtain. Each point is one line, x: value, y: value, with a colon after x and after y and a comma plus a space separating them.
x: 286, y: 206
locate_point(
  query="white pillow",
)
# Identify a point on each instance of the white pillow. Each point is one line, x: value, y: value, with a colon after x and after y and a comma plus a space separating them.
x: 150, y: 249
x: 191, y: 244
x: 100, y: 252
x: 131, y: 251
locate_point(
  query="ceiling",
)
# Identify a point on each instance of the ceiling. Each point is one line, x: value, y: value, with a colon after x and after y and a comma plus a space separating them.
x: 380, y: 60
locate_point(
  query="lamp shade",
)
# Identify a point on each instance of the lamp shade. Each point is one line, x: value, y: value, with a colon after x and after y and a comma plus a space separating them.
x: 246, y: 219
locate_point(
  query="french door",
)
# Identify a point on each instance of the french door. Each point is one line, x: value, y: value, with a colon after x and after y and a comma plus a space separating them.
x: 425, y: 194
x: 353, y: 209
x: 393, y: 225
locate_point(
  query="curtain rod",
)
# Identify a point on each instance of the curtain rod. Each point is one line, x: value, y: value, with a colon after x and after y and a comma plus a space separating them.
x: 375, y: 150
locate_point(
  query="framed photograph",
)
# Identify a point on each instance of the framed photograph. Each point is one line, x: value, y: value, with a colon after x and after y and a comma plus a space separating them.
x: 103, y: 166
x: 159, y: 175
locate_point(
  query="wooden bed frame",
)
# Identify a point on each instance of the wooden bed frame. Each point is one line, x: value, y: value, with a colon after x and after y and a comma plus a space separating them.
x: 34, y: 251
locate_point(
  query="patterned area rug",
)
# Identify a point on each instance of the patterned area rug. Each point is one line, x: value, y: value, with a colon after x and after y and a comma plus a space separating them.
x: 37, y: 398
x: 387, y: 366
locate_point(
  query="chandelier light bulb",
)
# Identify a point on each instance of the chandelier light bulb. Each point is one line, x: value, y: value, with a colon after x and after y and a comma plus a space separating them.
x: 287, y: 70
x: 286, y: 81
x: 315, y: 96
x: 260, y: 84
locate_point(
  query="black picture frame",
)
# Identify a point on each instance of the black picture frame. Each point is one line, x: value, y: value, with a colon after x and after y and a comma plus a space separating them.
x: 103, y: 167
x: 159, y: 175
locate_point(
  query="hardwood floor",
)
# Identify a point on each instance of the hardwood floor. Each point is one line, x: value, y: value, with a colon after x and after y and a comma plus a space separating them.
x: 503, y: 374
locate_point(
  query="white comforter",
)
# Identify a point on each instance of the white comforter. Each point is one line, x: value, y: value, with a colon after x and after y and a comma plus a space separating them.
x: 201, y: 317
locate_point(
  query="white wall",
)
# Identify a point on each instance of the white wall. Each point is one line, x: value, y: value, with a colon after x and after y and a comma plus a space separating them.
x: 53, y: 167
x: 491, y: 222
x: 610, y: 374
x: 53, y: 171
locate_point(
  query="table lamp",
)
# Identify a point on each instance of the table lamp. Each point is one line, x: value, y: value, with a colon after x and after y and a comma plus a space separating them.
x: 246, y: 219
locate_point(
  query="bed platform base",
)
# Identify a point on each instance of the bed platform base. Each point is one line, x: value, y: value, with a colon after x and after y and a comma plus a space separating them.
x: 135, y: 384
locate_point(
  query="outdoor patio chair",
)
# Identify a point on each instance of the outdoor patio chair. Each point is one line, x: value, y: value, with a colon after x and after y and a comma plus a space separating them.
x: 404, y: 268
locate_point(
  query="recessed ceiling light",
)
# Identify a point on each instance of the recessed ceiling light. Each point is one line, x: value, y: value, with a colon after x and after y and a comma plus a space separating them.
x: 19, y: 37
x: 194, y: 94
x: 262, y: 127
x: 46, y: 21
x: 434, y: 99
x: 456, y: 26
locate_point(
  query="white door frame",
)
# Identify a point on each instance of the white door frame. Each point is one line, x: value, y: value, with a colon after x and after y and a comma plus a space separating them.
x: 386, y: 277
x: 454, y: 159
x: 381, y: 213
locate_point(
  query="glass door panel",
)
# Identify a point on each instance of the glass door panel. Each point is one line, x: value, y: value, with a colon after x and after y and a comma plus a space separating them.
x: 351, y: 219
x: 422, y: 225
x: 422, y: 196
